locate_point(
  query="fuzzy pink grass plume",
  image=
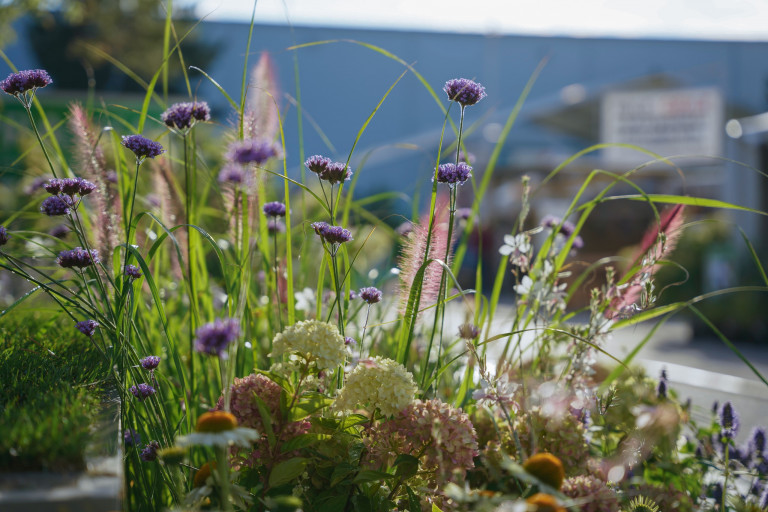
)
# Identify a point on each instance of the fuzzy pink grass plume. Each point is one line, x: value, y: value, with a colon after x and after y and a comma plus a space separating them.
x: 412, y: 256
x: 261, y: 114
x: 105, y: 199
x: 658, y: 242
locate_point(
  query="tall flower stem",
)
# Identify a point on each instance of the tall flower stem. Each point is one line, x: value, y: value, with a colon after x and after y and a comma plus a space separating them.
x: 365, y: 326
x: 337, y: 284
x: 222, y: 467
x: 277, y: 280
x: 28, y: 108
x: 189, y: 184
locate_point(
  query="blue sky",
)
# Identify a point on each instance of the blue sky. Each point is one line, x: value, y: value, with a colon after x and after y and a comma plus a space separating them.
x: 686, y: 19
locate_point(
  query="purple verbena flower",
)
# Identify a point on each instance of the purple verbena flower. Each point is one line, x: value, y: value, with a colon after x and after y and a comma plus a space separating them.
x: 142, y: 147
x: 332, y: 234
x: 729, y: 420
x: 235, y: 174
x: 184, y: 115
x: 53, y: 186
x: 468, y: 331
x: 318, y: 164
x: 59, y: 231
x: 142, y: 391
x: 463, y: 91
x: 463, y: 213
x: 131, y: 437
x: 24, y: 81
x: 150, y: 362
x: 87, y: 327
x: 35, y: 185
x: 371, y: 295
x: 352, y: 294
x: 350, y: 341
x: 214, y: 338
x: 54, y: 206
x: 4, y: 236
x: 255, y: 151
x: 274, y: 209
x: 78, y: 257
x: 149, y: 453
x: 452, y: 173
x: 132, y: 271
x: 757, y: 440
x: 336, y: 172
x: 275, y: 226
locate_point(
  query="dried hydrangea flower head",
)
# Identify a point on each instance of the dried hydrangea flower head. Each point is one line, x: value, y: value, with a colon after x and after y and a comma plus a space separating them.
x: 464, y: 92
x: 319, y: 343
x: 142, y: 391
x: 453, y: 174
x: 243, y: 404
x: 371, y: 295
x: 142, y: 147
x: 23, y: 84
x: 87, y: 327
x: 214, y: 338
x: 377, y: 383
x: 78, y: 257
x: 4, y: 236
x: 439, y: 435
x: 274, y: 209
x: 183, y: 115
x: 252, y: 151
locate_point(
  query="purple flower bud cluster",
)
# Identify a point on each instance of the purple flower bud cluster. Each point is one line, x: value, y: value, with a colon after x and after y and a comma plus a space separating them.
x: 234, y: 174
x: 729, y: 421
x: 87, y: 327
x: 54, y: 206
x: 274, y: 209
x: 452, y: 173
x: 149, y: 453
x: 149, y: 363
x: 371, y: 295
x: 252, y: 151
x: 69, y: 186
x: 142, y: 391
x: 332, y: 234
x: 132, y: 272
x: 184, y: 115
x: 4, y: 236
x: 214, y: 338
x: 131, y: 437
x: 757, y: 441
x: 328, y: 170
x: 78, y: 257
x: 24, y: 81
x: 142, y: 147
x: 350, y: 341
x: 567, y: 229
x: 464, y: 91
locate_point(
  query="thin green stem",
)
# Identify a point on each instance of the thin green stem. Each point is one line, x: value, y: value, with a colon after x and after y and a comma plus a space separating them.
x: 365, y: 326
x: 28, y: 108
x: 337, y: 284
x: 277, y: 280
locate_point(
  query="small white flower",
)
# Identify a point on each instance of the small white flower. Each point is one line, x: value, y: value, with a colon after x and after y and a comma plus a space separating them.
x: 305, y: 300
x: 519, y: 243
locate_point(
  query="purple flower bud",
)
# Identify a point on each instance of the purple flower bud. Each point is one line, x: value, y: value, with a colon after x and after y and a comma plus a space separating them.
x: 352, y: 294
x: 463, y: 213
x: 336, y: 172
x: 452, y: 173
x: 274, y: 209
x: 255, y: 151
x: 150, y: 362
x: 332, y: 234
x: 87, y: 327
x: 371, y: 295
x: 54, y: 206
x: 468, y: 331
x: 183, y: 115
x: 4, y: 236
x: 757, y: 440
x: 350, y: 341
x: 78, y: 257
x: 214, y: 338
x: 149, y: 453
x: 729, y: 421
x: 33, y: 187
x: 53, y: 186
x: 318, y: 164
x: 132, y: 271
x: 463, y: 91
x: 23, y: 81
x: 131, y: 437
x: 142, y: 147
x: 661, y: 389
x: 142, y: 391
x: 235, y: 174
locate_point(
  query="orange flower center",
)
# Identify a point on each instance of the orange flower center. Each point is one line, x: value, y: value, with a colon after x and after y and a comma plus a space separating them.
x: 216, y: 421
x: 547, y: 468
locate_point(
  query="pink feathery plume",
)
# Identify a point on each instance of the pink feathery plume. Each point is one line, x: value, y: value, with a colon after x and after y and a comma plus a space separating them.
x: 105, y: 199
x: 658, y: 242
x: 172, y: 211
x: 261, y: 114
x: 412, y: 256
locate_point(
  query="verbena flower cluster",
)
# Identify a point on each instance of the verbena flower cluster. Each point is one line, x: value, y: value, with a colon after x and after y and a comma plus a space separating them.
x: 24, y: 81
x: 377, y: 383
x: 69, y: 186
x: 132, y: 272
x: 332, y: 234
x: 442, y: 437
x: 318, y: 343
x: 142, y: 147
x: 464, y: 91
x: 328, y: 170
x: 274, y: 209
x: 214, y: 338
x: 252, y: 151
x: 149, y: 452
x: 371, y: 295
x: 78, y: 257
x: 150, y: 363
x: 234, y: 174
x: 452, y: 174
x: 182, y: 115
x: 142, y: 391
x: 55, y: 206
x: 4, y: 236
x: 87, y: 327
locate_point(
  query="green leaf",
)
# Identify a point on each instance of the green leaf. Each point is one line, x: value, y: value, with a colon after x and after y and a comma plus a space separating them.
x: 266, y: 420
x: 308, y: 404
x: 342, y: 471
x: 406, y: 465
x: 370, y: 475
x: 413, y: 500
x: 333, y: 503
x: 303, y: 441
x: 287, y: 470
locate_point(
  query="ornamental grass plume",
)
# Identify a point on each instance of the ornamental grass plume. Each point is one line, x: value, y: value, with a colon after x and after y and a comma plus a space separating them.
x: 439, y: 435
x: 262, y: 117
x: 319, y: 343
x: 412, y: 256
x: 592, y: 493
x: 377, y: 383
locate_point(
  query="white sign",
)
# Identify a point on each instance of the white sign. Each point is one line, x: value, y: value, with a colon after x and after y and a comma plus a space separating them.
x: 667, y: 122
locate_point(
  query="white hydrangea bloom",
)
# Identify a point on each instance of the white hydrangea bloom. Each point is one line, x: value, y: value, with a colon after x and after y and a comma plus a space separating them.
x: 315, y: 341
x: 377, y: 383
